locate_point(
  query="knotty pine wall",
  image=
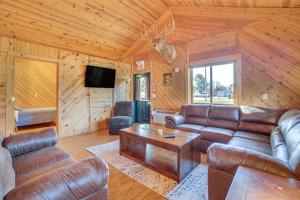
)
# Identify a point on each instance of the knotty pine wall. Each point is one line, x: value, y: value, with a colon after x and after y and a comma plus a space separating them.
x: 35, y: 83
x: 270, y: 59
x: 165, y: 97
x: 80, y: 109
x: 3, y: 59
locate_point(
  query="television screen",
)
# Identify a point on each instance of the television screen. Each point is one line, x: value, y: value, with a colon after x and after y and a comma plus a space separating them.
x: 100, y: 77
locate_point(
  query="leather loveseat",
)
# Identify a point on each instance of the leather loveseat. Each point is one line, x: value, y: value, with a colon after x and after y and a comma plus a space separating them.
x: 32, y: 167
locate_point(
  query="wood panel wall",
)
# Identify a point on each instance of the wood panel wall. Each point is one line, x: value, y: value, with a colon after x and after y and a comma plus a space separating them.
x: 165, y: 97
x: 270, y: 61
x: 267, y: 54
x: 220, y: 45
x: 77, y: 112
x: 35, y: 83
x: 170, y: 97
x: 3, y: 60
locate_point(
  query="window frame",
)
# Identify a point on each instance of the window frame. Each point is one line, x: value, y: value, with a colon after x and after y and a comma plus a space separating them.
x: 210, y: 64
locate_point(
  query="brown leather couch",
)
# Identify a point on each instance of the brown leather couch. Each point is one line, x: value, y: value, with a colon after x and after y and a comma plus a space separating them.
x: 219, y: 124
x: 260, y: 138
x: 43, y: 171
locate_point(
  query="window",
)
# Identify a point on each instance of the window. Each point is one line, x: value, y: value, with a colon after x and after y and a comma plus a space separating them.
x: 213, y: 83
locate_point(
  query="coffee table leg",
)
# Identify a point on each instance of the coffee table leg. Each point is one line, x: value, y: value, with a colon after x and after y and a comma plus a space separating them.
x: 132, y: 147
x: 188, y: 159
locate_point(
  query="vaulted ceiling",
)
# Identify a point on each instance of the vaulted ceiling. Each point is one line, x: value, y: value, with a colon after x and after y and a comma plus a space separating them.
x: 111, y: 28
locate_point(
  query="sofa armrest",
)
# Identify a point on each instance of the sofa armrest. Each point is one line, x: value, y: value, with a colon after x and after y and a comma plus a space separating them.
x: 86, y: 178
x: 28, y: 142
x: 228, y: 158
x: 174, y: 120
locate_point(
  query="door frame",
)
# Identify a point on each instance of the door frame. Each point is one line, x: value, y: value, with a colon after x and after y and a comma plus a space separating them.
x: 10, y: 89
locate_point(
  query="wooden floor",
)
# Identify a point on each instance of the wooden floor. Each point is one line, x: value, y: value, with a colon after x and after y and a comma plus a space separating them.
x: 121, y: 187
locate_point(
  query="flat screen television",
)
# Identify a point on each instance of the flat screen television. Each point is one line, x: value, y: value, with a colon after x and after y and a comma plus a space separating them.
x: 100, y: 77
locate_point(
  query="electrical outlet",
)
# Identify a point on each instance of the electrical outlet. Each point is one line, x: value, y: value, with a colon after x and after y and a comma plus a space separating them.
x: 265, y: 96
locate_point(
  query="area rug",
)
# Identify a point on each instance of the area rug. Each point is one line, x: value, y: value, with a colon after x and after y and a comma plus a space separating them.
x: 193, y: 187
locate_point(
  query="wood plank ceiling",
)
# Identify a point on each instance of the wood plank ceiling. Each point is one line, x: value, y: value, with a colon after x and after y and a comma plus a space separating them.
x: 109, y: 28
x: 236, y: 3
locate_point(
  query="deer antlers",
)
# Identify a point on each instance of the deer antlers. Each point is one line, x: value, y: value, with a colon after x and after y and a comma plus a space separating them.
x: 167, y: 52
x: 168, y: 29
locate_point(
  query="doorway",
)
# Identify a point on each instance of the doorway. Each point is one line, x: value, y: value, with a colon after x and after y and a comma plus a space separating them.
x: 141, y: 94
x: 35, y: 94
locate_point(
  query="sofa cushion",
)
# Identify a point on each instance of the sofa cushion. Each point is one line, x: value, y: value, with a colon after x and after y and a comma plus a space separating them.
x: 195, y: 114
x: 195, y: 110
x: 26, y: 163
x: 251, y: 144
x: 7, y: 174
x: 214, y: 134
x: 120, y: 121
x: 260, y: 115
x: 190, y: 127
x: 123, y: 108
x: 43, y: 169
x: 288, y: 114
x: 252, y: 136
x: 281, y: 152
x: 223, y: 117
x: 264, y: 129
x: 292, y: 137
x: 276, y: 138
x: 289, y: 123
x: 29, y: 142
x: 258, y: 120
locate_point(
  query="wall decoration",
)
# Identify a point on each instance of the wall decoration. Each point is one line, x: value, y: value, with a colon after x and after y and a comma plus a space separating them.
x: 167, y: 79
x: 140, y: 65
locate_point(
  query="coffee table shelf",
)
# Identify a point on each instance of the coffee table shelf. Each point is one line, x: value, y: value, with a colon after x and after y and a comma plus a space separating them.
x: 142, y: 144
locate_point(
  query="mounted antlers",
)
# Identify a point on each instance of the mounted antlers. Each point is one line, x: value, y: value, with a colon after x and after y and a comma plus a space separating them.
x: 168, y: 52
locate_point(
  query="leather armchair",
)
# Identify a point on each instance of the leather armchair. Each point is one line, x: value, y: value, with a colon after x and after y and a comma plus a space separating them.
x: 123, y: 117
x: 40, y: 170
x: 86, y: 179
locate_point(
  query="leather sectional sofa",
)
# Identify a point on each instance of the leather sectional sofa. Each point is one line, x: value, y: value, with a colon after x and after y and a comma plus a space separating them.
x: 32, y: 167
x: 261, y: 138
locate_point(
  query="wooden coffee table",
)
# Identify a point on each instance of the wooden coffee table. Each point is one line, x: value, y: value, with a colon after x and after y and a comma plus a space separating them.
x: 172, y: 157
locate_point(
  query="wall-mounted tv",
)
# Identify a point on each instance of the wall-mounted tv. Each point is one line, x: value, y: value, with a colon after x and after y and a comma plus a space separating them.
x: 100, y: 77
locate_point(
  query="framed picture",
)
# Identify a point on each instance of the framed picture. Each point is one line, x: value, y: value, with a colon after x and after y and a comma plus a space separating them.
x: 167, y: 79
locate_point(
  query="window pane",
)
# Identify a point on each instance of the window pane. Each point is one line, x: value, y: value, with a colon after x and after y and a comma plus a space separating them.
x: 201, y: 82
x: 223, y: 84
x: 143, y: 88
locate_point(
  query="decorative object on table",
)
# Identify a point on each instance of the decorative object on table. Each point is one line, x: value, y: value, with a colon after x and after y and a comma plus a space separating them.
x: 123, y: 117
x: 167, y: 79
x: 160, y: 131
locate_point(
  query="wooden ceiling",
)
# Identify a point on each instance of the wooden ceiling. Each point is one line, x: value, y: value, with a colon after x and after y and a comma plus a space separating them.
x: 111, y: 28
x: 236, y: 3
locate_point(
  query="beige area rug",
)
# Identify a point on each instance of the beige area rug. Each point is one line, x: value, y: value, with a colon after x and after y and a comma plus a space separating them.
x: 193, y: 187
